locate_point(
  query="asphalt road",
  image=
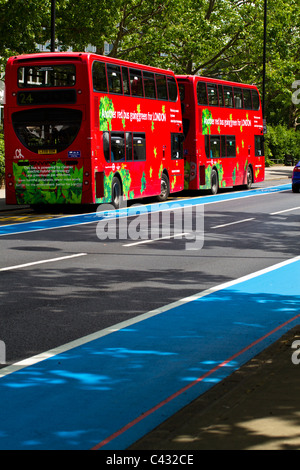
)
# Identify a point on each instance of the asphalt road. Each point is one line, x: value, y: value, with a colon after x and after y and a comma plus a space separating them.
x: 60, y: 284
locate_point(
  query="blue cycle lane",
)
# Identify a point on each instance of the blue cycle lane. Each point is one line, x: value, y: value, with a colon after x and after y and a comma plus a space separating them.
x: 111, y: 390
x: 89, y: 218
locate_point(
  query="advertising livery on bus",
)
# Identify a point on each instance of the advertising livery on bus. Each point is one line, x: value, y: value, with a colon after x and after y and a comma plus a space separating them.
x: 82, y: 128
x: 223, y: 128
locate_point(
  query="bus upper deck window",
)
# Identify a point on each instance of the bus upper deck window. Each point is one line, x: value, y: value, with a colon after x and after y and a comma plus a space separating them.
x: 99, y: 76
x: 114, y: 79
x: 238, y: 98
x: 228, y: 96
x: 201, y: 93
x: 38, y: 76
x: 172, y: 88
x: 149, y: 85
x: 161, y: 87
x: 125, y: 77
x: 136, y: 82
x: 212, y: 94
x: 247, y: 98
x: 255, y: 100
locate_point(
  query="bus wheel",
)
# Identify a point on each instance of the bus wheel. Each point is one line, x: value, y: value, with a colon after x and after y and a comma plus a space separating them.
x: 214, y: 182
x: 116, y: 192
x: 165, y: 188
x: 249, y: 178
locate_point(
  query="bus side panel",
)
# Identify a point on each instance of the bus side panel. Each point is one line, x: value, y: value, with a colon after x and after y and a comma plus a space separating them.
x: 147, y: 125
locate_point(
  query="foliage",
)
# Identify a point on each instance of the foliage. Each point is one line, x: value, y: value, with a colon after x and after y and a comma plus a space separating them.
x: 222, y: 39
x: 281, y: 141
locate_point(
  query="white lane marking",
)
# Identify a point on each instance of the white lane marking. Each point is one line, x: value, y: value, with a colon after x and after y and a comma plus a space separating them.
x: 233, y: 223
x: 157, y: 239
x: 261, y: 192
x: 52, y: 260
x: 119, y: 326
x: 285, y: 210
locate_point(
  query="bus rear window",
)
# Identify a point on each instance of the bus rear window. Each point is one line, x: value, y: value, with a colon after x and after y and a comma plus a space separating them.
x: 47, y: 130
x: 47, y: 76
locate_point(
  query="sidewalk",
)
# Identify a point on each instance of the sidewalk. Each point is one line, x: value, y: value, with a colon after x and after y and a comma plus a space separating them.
x: 255, y: 408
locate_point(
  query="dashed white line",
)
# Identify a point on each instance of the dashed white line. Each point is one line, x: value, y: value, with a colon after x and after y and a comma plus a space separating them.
x: 285, y: 210
x: 233, y: 223
x: 156, y: 239
x: 10, y: 268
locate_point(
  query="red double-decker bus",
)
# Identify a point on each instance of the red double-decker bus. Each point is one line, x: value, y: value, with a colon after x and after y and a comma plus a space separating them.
x: 82, y: 128
x: 223, y: 128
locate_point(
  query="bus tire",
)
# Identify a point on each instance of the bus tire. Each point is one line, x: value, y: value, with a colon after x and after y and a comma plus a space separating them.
x: 249, y: 178
x: 165, y: 188
x: 116, y: 192
x: 214, y: 182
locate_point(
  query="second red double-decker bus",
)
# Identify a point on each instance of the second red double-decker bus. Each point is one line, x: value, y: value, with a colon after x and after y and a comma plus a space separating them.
x: 223, y: 130
x: 82, y: 128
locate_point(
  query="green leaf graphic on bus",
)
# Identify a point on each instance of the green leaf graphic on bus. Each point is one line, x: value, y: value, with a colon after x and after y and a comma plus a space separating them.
x: 126, y: 183
x: 143, y: 183
x: 206, y: 121
x: 53, y: 183
x: 106, y: 113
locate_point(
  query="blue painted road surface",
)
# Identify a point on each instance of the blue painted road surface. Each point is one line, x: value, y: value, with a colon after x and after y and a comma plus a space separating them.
x: 111, y: 390
x: 82, y: 219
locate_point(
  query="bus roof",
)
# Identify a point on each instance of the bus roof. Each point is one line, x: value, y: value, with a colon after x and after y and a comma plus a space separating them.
x: 84, y: 57
x: 195, y: 78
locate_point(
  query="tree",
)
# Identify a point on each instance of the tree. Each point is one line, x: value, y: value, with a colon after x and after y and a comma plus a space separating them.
x: 23, y: 26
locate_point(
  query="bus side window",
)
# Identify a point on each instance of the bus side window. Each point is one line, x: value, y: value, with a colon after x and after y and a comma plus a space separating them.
x: 128, y: 136
x: 212, y: 94
x: 139, y: 147
x: 99, y: 76
x: 238, y: 98
x: 215, y: 146
x: 106, y: 146
x: 247, y: 98
x: 230, y: 146
x: 125, y: 76
x: 161, y: 87
x: 176, y: 146
x: 259, y: 145
x: 228, y: 96
x: 221, y: 97
x: 172, y: 88
x: 201, y: 93
x: 255, y: 100
x: 149, y: 85
x: 117, y: 147
x: 114, y: 79
x: 207, y: 146
x: 136, y: 82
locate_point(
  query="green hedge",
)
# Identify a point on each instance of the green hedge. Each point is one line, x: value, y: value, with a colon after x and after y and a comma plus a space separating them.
x: 281, y: 141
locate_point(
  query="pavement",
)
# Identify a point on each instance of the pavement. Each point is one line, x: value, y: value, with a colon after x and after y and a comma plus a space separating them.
x: 255, y: 408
